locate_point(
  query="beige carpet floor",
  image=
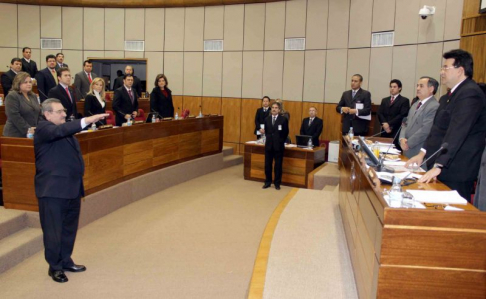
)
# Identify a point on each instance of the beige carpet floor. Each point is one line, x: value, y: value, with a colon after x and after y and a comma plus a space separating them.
x: 195, y: 240
x: 309, y: 256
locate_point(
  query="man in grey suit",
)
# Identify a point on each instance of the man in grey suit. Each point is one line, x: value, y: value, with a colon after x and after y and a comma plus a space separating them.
x: 420, y: 117
x: 83, y: 80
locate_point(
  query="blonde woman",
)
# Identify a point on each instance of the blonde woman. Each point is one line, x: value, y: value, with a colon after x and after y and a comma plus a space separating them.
x: 94, y: 103
x: 21, y: 107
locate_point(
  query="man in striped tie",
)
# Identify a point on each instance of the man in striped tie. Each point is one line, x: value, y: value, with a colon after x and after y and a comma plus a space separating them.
x: 83, y: 79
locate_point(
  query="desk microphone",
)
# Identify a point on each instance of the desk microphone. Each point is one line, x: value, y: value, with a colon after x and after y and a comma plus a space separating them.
x: 442, y: 147
x: 98, y: 120
x: 366, y: 138
x: 157, y: 114
x: 42, y: 92
x: 382, y: 167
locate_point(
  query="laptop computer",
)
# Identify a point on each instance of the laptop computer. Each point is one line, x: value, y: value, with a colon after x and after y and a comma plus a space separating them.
x: 302, y: 140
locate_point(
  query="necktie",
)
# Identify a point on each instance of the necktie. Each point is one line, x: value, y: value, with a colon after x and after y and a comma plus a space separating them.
x: 53, y: 72
x: 310, y: 121
x: 69, y: 94
x: 392, y: 99
x: 131, y: 95
x: 354, y: 93
x: 418, y: 106
x: 273, y: 120
x: 449, y: 93
x: 89, y: 77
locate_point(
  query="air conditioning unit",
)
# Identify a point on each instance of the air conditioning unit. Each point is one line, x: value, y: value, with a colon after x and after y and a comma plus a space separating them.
x: 213, y: 45
x: 382, y: 39
x: 135, y: 45
x: 295, y: 44
x: 51, y: 43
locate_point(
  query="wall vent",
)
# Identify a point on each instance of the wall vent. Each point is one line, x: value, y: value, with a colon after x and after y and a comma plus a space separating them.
x: 135, y: 45
x: 295, y: 44
x: 382, y: 39
x: 51, y: 43
x: 213, y: 45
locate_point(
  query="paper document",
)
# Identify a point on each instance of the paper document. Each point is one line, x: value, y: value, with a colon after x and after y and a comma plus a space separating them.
x: 451, y: 208
x: 251, y: 142
x: 399, y: 166
x: 446, y: 197
x: 360, y: 106
x: 386, y: 176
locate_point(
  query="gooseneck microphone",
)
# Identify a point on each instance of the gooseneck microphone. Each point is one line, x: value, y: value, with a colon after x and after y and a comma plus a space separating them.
x: 382, y: 167
x: 442, y: 147
x: 366, y: 138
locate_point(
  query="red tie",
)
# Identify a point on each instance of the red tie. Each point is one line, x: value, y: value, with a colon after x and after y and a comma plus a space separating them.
x: 449, y: 93
x: 89, y: 77
x: 69, y: 94
x: 131, y: 95
x: 418, y: 105
x: 392, y: 99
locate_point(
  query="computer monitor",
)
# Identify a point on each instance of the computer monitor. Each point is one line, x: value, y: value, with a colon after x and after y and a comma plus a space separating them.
x: 373, y: 159
x: 302, y: 140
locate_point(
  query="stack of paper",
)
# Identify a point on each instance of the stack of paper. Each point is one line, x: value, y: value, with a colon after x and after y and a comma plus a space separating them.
x: 444, y: 197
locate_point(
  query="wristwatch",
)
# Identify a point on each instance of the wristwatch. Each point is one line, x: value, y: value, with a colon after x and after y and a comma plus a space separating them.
x: 437, y: 165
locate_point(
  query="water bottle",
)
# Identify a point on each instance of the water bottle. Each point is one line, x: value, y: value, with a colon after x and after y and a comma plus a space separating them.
x: 309, y: 143
x: 93, y: 127
x: 176, y: 117
x: 129, y: 122
x: 71, y: 118
x: 1, y: 101
x: 153, y: 118
x: 30, y: 133
x: 396, y: 193
x: 351, y: 133
x: 264, y: 138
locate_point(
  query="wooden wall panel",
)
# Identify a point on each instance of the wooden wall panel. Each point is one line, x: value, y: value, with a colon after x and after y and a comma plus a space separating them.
x: 475, y: 45
x: 231, y: 110
x: 211, y: 105
x: 177, y: 102
x: 192, y: 103
x: 332, y: 123
x: 248, y: 110
x: 295, y: 110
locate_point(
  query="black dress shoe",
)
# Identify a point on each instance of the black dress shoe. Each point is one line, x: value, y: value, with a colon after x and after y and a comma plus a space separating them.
x: 75, y: 268
x: 267, y: 185
x: 58, y: 275
x: 277, y: 187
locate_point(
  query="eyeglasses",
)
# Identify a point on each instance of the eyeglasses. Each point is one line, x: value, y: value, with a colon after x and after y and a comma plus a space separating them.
x: 445, y: 68
x: 60, y: 111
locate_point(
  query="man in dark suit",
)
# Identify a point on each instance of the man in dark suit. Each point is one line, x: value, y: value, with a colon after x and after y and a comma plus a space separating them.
x: 125, y: 102
x: 137, y: 84
x: 28, y: 65
x: 83, y: 79
x: 60, y: 61
x: 355, y: 106
x: 260, y: 116
x: 64, y: 93
x: 8, y: 77
x: 276, y: 131
x: 312, y: 126
x: 47, y: 78
x: 461, y: 122
x: 59, y: 185
x: 392, y: 110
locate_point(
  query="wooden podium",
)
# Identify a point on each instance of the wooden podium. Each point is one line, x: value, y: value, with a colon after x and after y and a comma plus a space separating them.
x: 409, y: 253
x: 114, y: 155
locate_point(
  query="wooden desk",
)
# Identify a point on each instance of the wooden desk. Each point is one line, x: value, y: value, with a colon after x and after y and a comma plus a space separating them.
x: 409, y: 253
x: 114, y: 155
x: 297, y: 164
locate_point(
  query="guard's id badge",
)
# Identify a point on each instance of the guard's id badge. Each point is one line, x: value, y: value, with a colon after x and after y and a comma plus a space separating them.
x: 280, y: 127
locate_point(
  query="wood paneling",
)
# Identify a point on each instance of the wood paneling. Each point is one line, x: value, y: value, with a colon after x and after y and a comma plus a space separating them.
x: 133, y: 151
x: 193, y: 104
x: 475, y: 46
x: 231, y: 109
x: 248, y: 110
x: 295, y: 110
x: 211, y: 105
x: 177, y: 101
x: 332, y: 123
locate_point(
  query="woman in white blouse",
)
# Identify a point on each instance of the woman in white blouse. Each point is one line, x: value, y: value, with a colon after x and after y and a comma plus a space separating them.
x: 94, y: 103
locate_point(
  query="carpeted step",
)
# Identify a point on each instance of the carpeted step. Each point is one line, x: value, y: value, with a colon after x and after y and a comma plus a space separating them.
x: 232, y: 160
x: 19, y: 246
x: 11, y: 221
x: 227, y: 151
x: 328, y: 175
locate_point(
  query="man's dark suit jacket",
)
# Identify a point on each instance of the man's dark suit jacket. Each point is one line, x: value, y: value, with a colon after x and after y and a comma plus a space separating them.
x: 92, y: 107
x: 394, y: 113
x: 45, y: 82
x: 29, y: 67
x: 461, y: 122
x: 260, y: 118
x: 58, y: 160
x: 360, y: 126
x: 122, y: 104
x: 59, y: 93
x: 314, y: 130
x: 160, y: 103
x: 137, y: 85
x: 63, y: 65
x: 7, y: 80
x: 275, y: 138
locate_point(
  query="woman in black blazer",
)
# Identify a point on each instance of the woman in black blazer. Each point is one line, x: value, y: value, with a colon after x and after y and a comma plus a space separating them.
x: 94, y: 103
x: 161, y: 98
